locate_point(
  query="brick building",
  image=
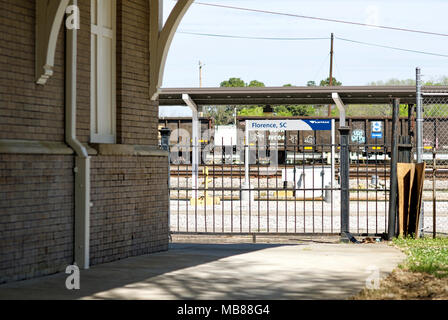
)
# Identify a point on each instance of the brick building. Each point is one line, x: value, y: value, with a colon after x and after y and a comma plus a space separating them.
x: 82, y: 178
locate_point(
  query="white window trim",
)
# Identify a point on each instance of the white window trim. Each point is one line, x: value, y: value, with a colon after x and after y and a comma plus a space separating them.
x: 99, y: 31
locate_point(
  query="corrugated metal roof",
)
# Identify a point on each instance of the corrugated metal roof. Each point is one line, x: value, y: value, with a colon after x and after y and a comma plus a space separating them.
x: 291, y: 95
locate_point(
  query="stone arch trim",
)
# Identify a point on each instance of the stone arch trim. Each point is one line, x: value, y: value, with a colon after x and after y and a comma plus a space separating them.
x: 49, y: 17
x: 160, y: 39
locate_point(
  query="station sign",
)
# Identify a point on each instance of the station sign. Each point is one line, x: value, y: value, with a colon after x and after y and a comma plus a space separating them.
x: 288, y: 125
x: 377, y: 130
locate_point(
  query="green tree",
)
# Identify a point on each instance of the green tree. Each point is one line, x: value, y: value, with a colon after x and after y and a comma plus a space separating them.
x: 255, y: 83
x: 321, y: 110
x: 224, y: 115
x: 403, y: 111
x: 440, y: 81
x: 282, y: 111
x: 386, y: 110
x: 393, y: 82
x: 326, y: 82
x: 293, y: 110
x: 251, y: 111
x: 233, y: 82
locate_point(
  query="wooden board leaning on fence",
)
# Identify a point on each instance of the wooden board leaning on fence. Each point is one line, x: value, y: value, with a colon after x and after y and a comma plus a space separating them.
x: 410, y: 188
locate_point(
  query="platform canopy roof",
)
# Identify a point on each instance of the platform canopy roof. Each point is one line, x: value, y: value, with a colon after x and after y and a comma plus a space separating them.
x: 290, y: 95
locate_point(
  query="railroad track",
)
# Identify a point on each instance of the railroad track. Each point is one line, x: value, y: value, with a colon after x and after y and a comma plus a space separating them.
x: 236, y: 171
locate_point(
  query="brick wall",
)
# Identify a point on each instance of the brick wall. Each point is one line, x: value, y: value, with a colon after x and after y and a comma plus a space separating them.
x: 36, y: 215
x: 28, y: 111
x: 136, y: 118
x: 83, y: 70
x: 36, y: 191
x: 34, y: 112
x: 130, y: 212
x: 129, y: 193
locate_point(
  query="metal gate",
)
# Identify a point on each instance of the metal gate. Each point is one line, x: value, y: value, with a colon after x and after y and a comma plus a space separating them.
x: 369, y: 188
x: 291, y: 185
x: 296, y: 197
x: 435, y: 154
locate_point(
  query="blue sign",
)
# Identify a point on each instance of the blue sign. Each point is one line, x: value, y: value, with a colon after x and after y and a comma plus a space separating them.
x: 319, y: 124
x: 377, y: 130
x: 287, y: 125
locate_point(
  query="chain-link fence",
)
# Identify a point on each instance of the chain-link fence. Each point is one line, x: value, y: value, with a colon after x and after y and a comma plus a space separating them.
x: 435, y: 154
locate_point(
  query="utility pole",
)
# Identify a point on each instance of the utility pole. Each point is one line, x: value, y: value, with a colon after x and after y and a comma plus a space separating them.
x: 331, y: 60
x: 200, y: 74
x: 331, y: 70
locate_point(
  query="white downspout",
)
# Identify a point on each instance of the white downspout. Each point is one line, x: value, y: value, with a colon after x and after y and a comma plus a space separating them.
x: 82, y: 161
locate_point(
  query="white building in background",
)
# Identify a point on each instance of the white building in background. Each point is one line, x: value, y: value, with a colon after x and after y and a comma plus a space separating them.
x: 225, y: 135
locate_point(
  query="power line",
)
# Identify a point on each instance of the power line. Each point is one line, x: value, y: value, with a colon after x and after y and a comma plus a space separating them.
x: 298, y: 39
x: 393, y: 48
x: 248, y: 37
x: 337, y: 68
x: 322, y: 19
x: 315, y: 78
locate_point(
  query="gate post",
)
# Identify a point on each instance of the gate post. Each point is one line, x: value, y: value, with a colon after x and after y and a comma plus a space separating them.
x: 165, y: 145
x: 392, y: 225
x: 165, y: 141
x: 404, y: 149
x: 419, y: 134
x: 419, y: 114
x: 344, y: 133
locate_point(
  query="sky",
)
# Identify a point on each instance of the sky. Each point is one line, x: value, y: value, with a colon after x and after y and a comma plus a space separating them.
x: 279, y: 62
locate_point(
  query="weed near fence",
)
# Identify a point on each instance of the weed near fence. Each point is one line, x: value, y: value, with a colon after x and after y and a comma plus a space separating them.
x: 425, y: 255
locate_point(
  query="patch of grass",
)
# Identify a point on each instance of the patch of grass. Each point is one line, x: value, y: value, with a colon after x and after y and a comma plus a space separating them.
x: 424, y: 274
x: 425, y: 255
x: 406, y: 285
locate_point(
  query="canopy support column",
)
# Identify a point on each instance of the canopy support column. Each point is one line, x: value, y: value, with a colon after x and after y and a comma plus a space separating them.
x: 195, y: 139
x: 344, y: 158
x: 341, y: 107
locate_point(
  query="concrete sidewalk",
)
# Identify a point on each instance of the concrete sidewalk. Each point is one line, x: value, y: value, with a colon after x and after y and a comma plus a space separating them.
x: 224, y: 271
